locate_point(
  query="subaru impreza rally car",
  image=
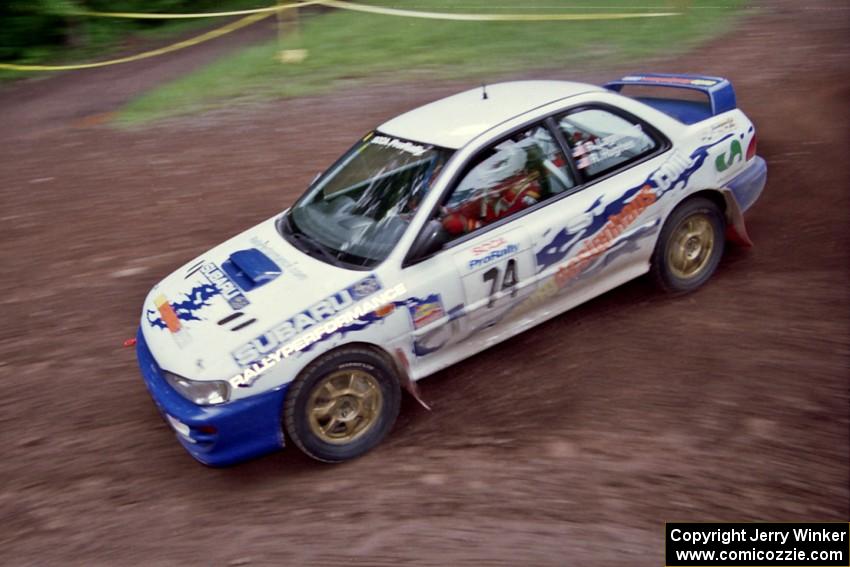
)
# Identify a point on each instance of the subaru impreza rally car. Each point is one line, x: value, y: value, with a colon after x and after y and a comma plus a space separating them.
x: 446, y: 230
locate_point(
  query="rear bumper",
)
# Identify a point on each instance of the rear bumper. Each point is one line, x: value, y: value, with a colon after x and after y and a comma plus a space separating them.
x: 216, y: 435
x: 748, y: 185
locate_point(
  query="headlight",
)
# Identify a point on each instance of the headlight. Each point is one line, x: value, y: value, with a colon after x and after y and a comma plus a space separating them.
x: 206, y: 393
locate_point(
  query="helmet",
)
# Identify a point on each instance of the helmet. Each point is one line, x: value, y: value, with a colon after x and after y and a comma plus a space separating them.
x: 506, y: 162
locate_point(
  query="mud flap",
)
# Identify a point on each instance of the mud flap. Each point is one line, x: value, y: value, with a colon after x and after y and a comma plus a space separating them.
x: 403, y: 367
x: 736, y: 230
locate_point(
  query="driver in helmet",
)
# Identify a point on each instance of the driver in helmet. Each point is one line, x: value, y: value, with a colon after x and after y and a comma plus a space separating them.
x: 505, y: 183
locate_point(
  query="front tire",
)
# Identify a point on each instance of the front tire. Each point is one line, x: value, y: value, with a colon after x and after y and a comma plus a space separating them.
x: 342, y: 404
x: 690, y: 246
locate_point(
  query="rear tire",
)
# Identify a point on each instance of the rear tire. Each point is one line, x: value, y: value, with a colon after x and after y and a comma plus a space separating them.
x: 342, y: 404
x: 690, y: 246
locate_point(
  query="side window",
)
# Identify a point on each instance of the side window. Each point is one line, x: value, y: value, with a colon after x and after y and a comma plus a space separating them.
x: 504, y: 179
x: 601, y: 141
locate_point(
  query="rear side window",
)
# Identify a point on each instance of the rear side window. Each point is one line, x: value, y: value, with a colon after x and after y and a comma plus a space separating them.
x: 601, y: 141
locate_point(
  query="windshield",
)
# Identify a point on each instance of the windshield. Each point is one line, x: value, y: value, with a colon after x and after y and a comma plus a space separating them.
x: 357, y: 211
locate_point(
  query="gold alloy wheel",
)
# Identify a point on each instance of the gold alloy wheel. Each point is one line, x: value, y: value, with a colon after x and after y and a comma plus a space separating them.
x: 691, y: 245
x: 344, y: 405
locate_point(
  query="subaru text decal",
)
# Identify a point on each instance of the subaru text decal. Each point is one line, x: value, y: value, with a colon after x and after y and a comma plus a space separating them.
x: 272, y: 339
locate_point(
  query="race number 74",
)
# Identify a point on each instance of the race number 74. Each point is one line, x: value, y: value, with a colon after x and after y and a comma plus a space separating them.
x: 509, y: 280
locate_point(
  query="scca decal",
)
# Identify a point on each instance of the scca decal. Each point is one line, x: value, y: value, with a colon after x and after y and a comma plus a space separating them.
x: 226, y: 287
x: 274, y: 338
x: 489, y: 246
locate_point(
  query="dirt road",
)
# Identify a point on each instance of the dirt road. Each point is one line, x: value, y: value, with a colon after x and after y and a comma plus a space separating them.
x: 636, y: 408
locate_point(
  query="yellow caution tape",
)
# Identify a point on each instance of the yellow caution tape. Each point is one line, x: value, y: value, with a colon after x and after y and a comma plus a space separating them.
x: 147, y: 16
x: 491, y: 17
x: 257, y: 14
x: 212, y: 34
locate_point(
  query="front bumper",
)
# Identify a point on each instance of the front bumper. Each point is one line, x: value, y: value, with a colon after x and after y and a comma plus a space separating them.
x: 216, y: 435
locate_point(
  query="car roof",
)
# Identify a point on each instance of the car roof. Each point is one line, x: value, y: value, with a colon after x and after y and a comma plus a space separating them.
x: 454, y: 121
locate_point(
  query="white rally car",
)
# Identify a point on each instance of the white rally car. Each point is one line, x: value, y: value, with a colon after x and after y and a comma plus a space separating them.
x: 447, y: 230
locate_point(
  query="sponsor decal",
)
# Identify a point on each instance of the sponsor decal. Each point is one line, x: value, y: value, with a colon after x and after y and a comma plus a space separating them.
x: 187, y: 309
x: 728, y: 158
x: 365, y: 287
x: 318, y: 332
x: 673, y: 174
x: 166, y: 313
x: 580, y: 266
x: 603, y: 238
x: 491, y: 250
x: 672, y: 80
x: 489, y: 246
x: 225, y: 286
x: 723, y: 127
x: 439, y: 337
x: 425, y: 311
x: 591, y: 248
x: 409, y: 147
x: 169, y: 319
x: 312, y: 317
x: 289, y: 267
x: 588, y: 153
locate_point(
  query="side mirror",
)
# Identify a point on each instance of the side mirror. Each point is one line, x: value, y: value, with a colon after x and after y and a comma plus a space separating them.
x: 430, y: 241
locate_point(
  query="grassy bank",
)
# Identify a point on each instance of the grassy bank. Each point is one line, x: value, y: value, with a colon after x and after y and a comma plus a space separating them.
x: 346, y: 46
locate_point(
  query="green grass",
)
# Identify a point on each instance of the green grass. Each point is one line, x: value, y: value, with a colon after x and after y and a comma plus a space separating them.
x: 346, y: 46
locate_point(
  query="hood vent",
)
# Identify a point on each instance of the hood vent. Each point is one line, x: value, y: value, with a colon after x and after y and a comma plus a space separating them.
x: 251, y: 268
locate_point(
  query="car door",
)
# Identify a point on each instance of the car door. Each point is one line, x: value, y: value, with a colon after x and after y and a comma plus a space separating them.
x: 599, y: 234
x: 496, y: 269
x: 486, y: 214
x: 462, y: 290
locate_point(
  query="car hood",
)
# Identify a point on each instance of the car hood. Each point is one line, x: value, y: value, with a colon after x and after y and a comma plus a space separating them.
x: 195, y: 319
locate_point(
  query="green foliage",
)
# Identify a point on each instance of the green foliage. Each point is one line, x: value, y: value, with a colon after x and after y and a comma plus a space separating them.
x: 39, y: 31
x: 29, y: 27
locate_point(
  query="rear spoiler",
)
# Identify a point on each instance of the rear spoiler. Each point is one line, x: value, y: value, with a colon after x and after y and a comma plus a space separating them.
x: 721, y: 95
